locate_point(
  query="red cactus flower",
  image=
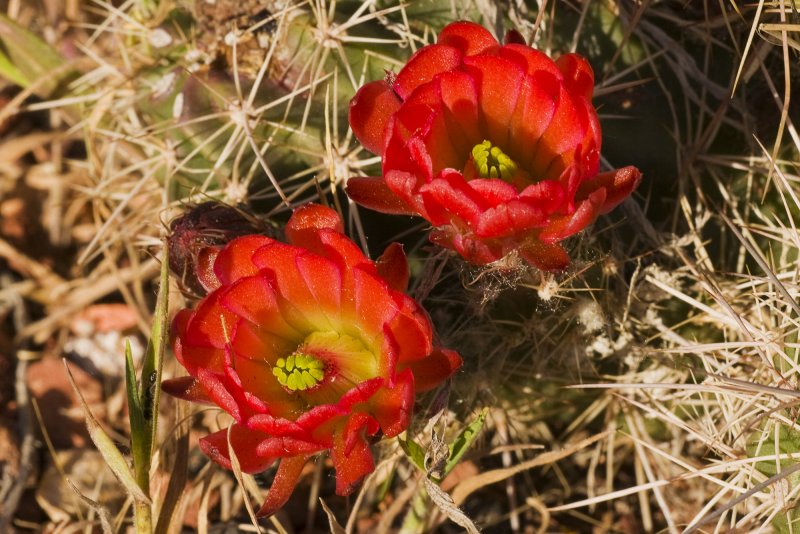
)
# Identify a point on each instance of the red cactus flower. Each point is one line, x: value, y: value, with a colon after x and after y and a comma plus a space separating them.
x: 309, y: 346
x: 496, y: 146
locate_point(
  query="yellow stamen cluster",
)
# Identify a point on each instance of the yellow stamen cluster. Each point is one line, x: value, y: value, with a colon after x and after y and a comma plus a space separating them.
x: 491, y: 162
x: 299, y: 372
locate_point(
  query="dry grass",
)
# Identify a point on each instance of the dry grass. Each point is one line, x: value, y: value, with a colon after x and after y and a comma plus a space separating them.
x: 653, y: 387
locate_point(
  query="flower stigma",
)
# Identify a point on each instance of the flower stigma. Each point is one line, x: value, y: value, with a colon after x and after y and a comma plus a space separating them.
x: 491, y: 162
x: 299, y: 371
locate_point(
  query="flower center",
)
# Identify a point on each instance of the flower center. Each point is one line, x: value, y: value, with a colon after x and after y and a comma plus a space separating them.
x: 491, y: 162
x: 299, y: 371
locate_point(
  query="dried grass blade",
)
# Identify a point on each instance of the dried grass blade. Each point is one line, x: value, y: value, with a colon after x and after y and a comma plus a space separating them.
x: 179, y: 472
x: 334, y: 525
x: 472, y: 484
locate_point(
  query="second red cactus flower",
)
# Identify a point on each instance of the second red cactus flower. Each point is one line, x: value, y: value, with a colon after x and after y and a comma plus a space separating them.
x: 496, y: 146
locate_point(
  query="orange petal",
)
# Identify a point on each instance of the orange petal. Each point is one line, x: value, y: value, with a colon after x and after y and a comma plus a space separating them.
x: 430, y: 372
x: 369, y: 114
x: 353, y: 465
x: 392, y: 407
x: 254, y: 299
x: 283, y: 484
x: 186, y: 388
x: 243, y: 441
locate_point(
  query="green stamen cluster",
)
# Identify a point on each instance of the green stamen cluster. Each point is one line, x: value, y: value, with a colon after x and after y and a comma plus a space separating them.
x: 491, y: 162
x: 299, y: 372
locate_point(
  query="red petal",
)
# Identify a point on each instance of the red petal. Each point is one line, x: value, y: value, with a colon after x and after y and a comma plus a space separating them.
x: 235, y: 260
x: 340, y: 249
x: 317, y: 420
x: 205, y: 268
x: 411, y: 330
x: 426, y: 63
x: 451, y: 195
x: 534, y: 111
x: 493, y: 191
x: 563, y: 135
x: 586, y: 212
x: 459, y: 98
x: 353, y: 466
x: 468, y: 37
x: 194, y: 358
x: 548, y: 195
x: 392, y: 407
x: 435, y: 369
x: 406, y: 186
x: 283, y: 484
x: 546, y: 257
x: 287, y: 447
x: 618, y: 184
x: 531, y: 60
x: 243, y: 441
x: 186, y: 388
x: 276, y: 426
x: 392, y: 266
x: 360, y: 394
x: 578, y: 74
x: 210, y: 323
x: 373, y: 193
x: 499, y: 82
x: 358, y: 426
x: 369, y: 114
x: 306, y: 222
x: 474, y: 251
x: 438, y: 141
x: 510, y: 218
x: 218, y: 387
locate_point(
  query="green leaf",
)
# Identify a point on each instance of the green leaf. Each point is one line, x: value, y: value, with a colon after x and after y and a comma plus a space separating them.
x: 414, y: 452
x: 464, y: 440
x: 108, y: 449
x: 25, y: 59
x: 10, y: 72
x: 150, y: 384
x: 140, y: 457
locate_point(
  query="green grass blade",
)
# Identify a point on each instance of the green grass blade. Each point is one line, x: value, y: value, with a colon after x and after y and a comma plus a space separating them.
x: 149, y: 386
x: 141, y: 459
x: 108, y: 449
x: 464, y: 440
x: 28, y: 59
